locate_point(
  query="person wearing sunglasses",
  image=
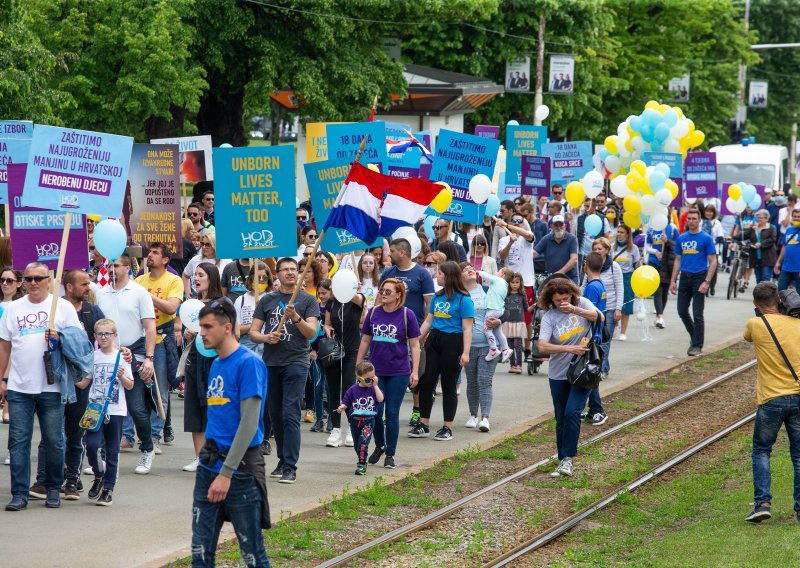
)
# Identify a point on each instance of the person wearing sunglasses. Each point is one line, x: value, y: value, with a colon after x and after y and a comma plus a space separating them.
x: 442, y: 234
x: 507, y: 210
x: 195, y: 212
x: 25, y: 335
x: 287, y: 356
x: 302, y: 217
x: 130, y: 306
x: 208, y: 206
x: 479, y: 255
x: 207, y: 254
x: 557, y: 190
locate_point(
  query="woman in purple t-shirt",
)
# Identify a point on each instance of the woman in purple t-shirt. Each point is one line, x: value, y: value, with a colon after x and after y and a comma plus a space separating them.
x: 392, y: 332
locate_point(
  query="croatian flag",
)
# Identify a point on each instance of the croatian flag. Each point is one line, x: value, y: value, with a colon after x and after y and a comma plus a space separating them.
x: 405, y: 203
x: 358, y: 209
x: 400, y: 147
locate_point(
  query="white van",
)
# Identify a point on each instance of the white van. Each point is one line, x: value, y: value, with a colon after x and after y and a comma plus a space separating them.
x: 758, y: 164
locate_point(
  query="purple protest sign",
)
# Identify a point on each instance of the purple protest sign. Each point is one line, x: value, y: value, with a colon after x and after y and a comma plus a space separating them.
x: 700, y: 171
x: 485, y: 131
x: 36, y: 233
x: 535, y: 176
x: 724, y: 198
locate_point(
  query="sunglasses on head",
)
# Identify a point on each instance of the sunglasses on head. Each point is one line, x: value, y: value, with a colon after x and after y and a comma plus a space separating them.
x: 37, y: 279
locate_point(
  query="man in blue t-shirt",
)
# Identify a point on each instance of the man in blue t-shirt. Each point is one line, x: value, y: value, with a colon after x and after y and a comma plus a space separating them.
x: 696, y: 262
x: 788, y: 263
x: 237, y: 389
x: 560, y: 250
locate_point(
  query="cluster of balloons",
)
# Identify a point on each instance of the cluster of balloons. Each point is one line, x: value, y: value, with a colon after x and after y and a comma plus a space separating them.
x: 742, y: 195
x: 480, y: 191
x: 660, y: 128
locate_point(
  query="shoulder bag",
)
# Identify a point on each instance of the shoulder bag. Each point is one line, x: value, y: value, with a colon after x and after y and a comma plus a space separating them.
x: 584, y: 370
x: 95, y: 414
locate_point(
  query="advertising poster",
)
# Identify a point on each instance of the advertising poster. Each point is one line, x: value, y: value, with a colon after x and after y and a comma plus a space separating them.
x: 679, y: 86
x: 12, y: 151
x: 345, y: 139
x: 758, y: 94
x: 195, y: 157
x: 521, y: 140
x: 16, y: 128
x: 536, y: 176
x: 36, y: 233
x: 569, y: 161
x: 255, y: 202
x: 518, y: 73
x: 325, y: 180
x: 562, y: 74
x: 77, y: 170
x: 675, y: 163
x: 700, y: 175
x: 723, y: 200
x: 155, y: 185
x: 458, y: 158
x: 485, y: 131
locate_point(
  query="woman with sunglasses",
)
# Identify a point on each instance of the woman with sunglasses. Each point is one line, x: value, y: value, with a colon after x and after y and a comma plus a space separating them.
x: 11, y: 285
x: 209, y: 290
x: 208, y: 254
x: 479, y: 255
x: 395, y: 355
x: 446, y: 334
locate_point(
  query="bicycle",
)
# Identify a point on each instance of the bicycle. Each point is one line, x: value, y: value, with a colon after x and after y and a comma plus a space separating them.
x: 740, y: 255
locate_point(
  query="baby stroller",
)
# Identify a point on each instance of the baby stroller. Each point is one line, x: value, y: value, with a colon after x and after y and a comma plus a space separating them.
x: 536, y: 359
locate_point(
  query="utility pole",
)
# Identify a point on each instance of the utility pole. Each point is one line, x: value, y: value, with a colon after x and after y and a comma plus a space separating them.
x: 537, y: 98
x: 741, y: 115
x: 793, y: 158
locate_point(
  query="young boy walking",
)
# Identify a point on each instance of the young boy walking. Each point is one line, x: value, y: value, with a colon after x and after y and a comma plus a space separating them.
x: 595, y: 292
x: 361, y: 404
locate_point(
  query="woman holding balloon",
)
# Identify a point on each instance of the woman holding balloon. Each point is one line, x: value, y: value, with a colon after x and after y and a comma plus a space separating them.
x: 626, y: 254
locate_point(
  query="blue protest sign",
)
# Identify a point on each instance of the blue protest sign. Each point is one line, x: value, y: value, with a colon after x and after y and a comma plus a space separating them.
x: 12, y: 151
x: 458, y: 158
x: 521, y: 141
x: 701, y: 174
x: 16, y: 129
x: 325, y: 180
x: 345, y: 139
x: 675, y: 163
x: 569, y: 161
x: 536, y: 176
x: 255, y: 202
x: 77, y: 170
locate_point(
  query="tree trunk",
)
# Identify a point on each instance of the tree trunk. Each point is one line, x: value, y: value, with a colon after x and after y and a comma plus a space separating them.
x: 221, y: 116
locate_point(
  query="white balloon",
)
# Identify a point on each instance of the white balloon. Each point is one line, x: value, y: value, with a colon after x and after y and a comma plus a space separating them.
x: 734, y: 205
x: 691, y: 200
x: 680, y: 129
x: 189, y: 313
x: 622, y: 129
x: 542, y: 112
x: 612, y: 164
x: 593, y: 183
x: 619, y: 187
x: 649, y: 204
x: 415, y: 243
x: 638, y: 144
x: 344, y: 284
x: 512, y: 123
x: 659, y: 222
x: 671, y: 145
x: 480, y: 187
x: 403, y: 232
x: 664, y: 197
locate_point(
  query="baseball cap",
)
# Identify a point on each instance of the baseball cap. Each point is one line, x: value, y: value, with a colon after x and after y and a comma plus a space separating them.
x: 558, y: 219
x: 767, y: 190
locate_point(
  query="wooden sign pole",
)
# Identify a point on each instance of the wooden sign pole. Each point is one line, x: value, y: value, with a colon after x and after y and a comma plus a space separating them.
x: 62, y: 253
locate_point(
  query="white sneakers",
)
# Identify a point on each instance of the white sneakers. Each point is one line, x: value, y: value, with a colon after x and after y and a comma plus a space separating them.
x: 660, y: 323
x: 348, y: 441
x: 145, y: 463
x: 335, y: 439
x: 623, y: 337
x: 191, y: 466
x: 8, y: 459
x: 472, y: 422
x: 483, y: 425
x: 564, y: 468
x: 492, y: 354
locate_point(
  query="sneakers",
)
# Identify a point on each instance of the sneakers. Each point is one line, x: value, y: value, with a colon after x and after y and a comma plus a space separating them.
x: 97, y: 487
x: 191, y: 466
x: 444, y: 434
x: 564, y: 468
x: 309, y: 416
x: 660, y: 323
x: 157, y: 447
x: 375, y: 456
x: 586, y: 418
x: 361, y: 469
x: 492, y: 354
x: 438, y: 390
x: 758, y: 514
x: 7, y: 461
x: 472, y: 422
x: 37, y: 492
x: 419, y: 431
x: 89, y: 470
x: 169, y: 436
x: 506, y: 354
x: 483, y: 425
x: 71, y: 493
x: 599, y: 418
x: 414, y: 417
x: 53, y: 500
x: 266, y: 448
x: 318, y: 426
x: 388, y: 463
x: 126, y: 444
x: 105, y: 499
x: 146, y: 463
x: 623, y: 337
x: 515, y: 370
x: 289, y: 476
x: 329, y: 425
x: 348, y: 441
x: 528, y: 356
x: 694, y: 351
x: 17, y: 503
x: 277, y: 472
x: 335, y: 439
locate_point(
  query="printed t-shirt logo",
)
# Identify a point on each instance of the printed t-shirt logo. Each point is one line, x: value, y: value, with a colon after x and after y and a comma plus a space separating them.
x: 384, y: 332
x: 442, y: 309
x: 257, y: 240
x: 35, y: 322
x: 216, y: 392
x: 689, y: 247
x: 569, y: 328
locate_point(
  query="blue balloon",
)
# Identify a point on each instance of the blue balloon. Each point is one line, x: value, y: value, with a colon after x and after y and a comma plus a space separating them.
x: 492, y: 205
x: 656, y: 146
x: 593, y: 225
x: 748, y: 192
x: 647, y: 132
x: 657, y: 180
x: 661, y: 132
x: 663, y: 168
x: 110, y: 239
x: 755, y: 203
x: 671, y: 118
x: 198, y: 343
x: 604, y: 154
x: 428, y: 223
x: 512, y: 123
x: 651, y: 117
x: 636, y: 123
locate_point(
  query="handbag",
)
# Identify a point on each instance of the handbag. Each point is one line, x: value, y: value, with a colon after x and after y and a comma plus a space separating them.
x: 329, y: 351
x: 584, y: 369
x: 95, y: 413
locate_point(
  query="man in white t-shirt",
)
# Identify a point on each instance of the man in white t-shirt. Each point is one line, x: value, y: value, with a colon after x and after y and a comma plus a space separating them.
x: 25, y: 332
x: 130, y: 306
x: 516, y: 250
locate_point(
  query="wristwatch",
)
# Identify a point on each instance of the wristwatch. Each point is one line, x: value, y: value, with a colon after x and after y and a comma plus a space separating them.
x: 149, y: 357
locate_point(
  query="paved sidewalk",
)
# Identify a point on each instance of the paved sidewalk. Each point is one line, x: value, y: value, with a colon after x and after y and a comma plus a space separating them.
x: 149, y: 522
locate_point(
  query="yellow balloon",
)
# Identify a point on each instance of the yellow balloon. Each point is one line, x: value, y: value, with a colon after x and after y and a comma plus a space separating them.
x: 632, y: 205
x: 663, y: 108
x: 645, y: 280
x: 678, y: 111
x: 633, y: 180
x: 632, y: 221
x: 441, y: 202
x: 640, y: 167
x: 611, y: 144
x: 631, y: 131
x: 652, y: 104
x: 734, y: 192
x: 691, y: 125
x: 697, y: 138
x: 672, y: 187
x: 575, y: 194
x: 629, y: 145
